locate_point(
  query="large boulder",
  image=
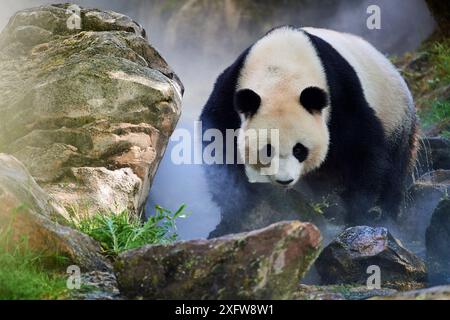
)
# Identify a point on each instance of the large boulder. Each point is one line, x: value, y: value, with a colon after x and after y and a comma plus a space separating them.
x: 262, y: 264
x: 347, y: 259
x: 438, y: 244
x: 87, y: 110
x: 28, y: 214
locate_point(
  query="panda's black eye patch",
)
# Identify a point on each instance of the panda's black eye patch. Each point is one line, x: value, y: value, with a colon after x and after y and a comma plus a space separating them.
x: 313, y: 99
x: 300, y: 152
x: 247, y: 102
x: 266, y: 154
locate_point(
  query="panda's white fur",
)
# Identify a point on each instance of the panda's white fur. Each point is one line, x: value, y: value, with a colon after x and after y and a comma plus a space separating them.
x: 283, y: 63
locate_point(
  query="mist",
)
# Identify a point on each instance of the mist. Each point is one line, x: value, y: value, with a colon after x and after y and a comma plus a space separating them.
x: 199, y: 45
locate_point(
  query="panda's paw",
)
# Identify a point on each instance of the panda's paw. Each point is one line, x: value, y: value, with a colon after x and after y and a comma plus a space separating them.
x: 375, y: 213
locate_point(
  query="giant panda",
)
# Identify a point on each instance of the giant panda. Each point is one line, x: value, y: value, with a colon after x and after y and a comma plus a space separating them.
x: 345, y: 117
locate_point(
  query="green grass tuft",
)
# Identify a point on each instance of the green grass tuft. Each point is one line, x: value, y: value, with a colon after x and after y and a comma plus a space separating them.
x: 430, y: 84
x: 441, y: 53
x: 22, y: 277
x: 119, y: 232
x: 438, y: 114
x: 22, y: 273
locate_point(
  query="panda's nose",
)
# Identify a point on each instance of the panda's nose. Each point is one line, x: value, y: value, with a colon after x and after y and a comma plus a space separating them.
x: 285, y: 182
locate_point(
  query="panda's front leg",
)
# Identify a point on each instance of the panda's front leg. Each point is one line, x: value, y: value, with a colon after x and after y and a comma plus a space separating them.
x: 361, y: 207
x: 363, y: 185
x: 233, y: 194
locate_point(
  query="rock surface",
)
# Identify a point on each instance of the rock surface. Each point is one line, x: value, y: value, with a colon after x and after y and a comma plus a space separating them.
x: 434, y: 293
x: 440, y: 150
x: 97, y: 285
x: 438, y: 244
x: 347, y: 258
x: 88, y: 111
x: 338, y: 292
x: 262, y: 264
x: 28, y: 213
x: 434, y: 153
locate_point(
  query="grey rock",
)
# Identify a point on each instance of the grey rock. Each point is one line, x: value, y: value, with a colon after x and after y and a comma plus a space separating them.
x: 438, y: 244
x: 434, y: 293
x: 97, y: 285
x: 423, y: 198
x: 340, y: 292
x: 434, y: 153
x: 347, y: 258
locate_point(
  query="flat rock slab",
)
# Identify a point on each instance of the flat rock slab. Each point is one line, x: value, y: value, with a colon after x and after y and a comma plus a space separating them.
x: 340, y: 292
x: 262, y: 264
x: 434, y: 293
x: 97, y: 285
x: 347, y: 258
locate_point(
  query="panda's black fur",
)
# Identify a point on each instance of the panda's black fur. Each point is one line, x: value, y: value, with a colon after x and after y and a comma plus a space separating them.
x: 368, y: 164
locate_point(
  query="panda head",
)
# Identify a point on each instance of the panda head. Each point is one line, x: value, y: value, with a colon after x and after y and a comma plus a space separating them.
x: 284, y: 134
x: 282, y: 86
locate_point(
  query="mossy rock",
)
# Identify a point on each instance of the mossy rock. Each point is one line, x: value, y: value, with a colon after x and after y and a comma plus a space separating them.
x: 262, y: 264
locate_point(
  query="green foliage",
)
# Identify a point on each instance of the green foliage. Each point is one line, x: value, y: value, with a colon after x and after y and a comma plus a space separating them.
x: 430, y: 79
x: 437, y: 114
x: 319, y: 207
x: 124, y: 231
x: 441, y: 54
x: 22, y: 272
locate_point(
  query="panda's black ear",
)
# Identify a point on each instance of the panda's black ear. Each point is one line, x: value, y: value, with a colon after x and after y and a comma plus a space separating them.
x: 247, y: 102
x: 314, y: 99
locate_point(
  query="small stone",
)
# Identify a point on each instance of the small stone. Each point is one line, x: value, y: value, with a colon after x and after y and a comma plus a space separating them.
x: 347, y: 258
x: 97, y: 285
